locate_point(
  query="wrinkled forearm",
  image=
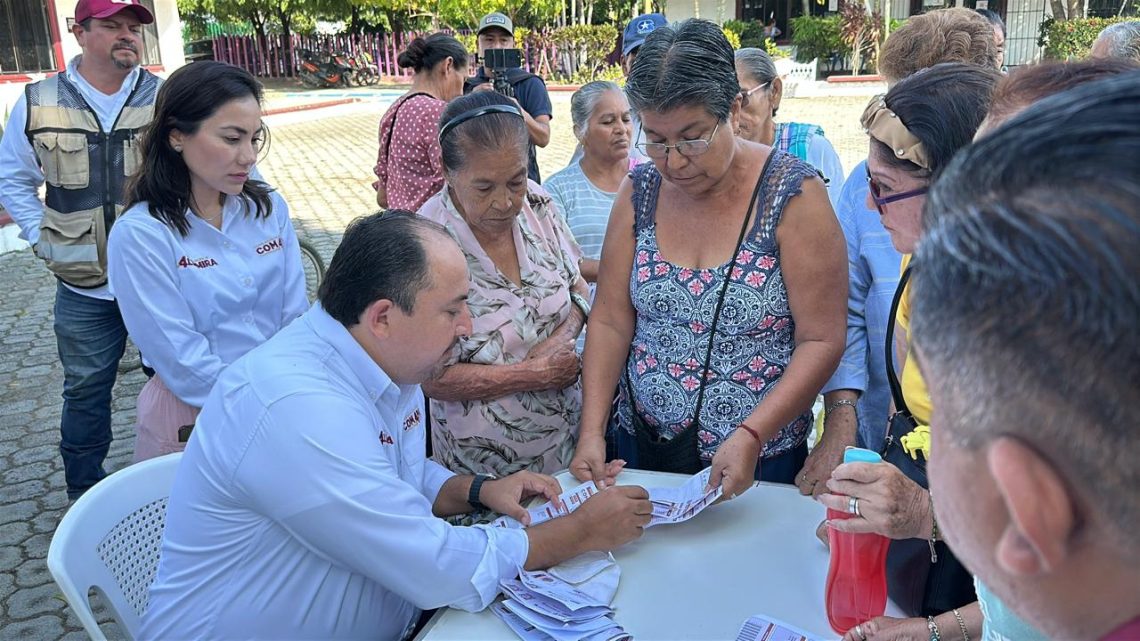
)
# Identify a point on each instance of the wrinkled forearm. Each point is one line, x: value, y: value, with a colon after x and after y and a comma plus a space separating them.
x: 470, y: 382
x: 570, y: 328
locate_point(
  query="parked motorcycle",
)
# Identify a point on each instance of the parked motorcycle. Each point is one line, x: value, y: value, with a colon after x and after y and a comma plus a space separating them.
x: 320, y: 71
x: 363, y: 68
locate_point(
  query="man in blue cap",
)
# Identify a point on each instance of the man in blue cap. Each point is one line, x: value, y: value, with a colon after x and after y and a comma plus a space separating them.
x: 634, y: 36
x: 631, y: 40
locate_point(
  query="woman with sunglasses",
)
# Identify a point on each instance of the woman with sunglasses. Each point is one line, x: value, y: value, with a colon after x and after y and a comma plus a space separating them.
x: 204, y: 262
x: 720, y: 302
x: 915, y: 130
x: 762, y: 89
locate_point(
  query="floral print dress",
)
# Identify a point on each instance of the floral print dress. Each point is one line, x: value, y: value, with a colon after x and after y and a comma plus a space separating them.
x: 675, y: 305
x: 534, y: 430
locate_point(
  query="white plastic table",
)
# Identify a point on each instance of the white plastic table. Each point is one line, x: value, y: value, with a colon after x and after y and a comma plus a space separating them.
x: 702, y: 579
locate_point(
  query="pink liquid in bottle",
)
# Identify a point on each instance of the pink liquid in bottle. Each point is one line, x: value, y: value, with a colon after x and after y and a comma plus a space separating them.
x: 857, y: 577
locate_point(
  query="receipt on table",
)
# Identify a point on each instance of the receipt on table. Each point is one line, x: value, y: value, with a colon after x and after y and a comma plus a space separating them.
x: 762, y: 628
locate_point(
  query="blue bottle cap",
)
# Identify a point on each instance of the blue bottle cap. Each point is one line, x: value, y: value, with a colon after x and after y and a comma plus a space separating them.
x: 860, y: 455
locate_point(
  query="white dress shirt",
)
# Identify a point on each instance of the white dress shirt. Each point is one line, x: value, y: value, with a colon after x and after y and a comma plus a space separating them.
x: 20, y: 174
x: 195, y: 304
x: 302, y: 506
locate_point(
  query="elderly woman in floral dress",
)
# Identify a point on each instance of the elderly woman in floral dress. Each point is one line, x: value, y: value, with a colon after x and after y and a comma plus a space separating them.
x: 511, y: 401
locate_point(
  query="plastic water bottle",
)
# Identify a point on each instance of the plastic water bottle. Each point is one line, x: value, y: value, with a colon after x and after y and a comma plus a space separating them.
x: 857, y: 576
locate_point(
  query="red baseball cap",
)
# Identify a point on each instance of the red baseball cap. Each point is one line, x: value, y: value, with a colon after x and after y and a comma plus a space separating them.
x: 106, y: 8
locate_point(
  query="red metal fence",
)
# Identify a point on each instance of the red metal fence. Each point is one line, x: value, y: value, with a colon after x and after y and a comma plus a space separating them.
x: 275, y: 60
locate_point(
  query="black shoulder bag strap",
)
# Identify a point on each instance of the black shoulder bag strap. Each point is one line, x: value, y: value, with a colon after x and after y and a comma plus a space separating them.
x: 395, y: 116
x: 892, y: 378
x: 719, y: 300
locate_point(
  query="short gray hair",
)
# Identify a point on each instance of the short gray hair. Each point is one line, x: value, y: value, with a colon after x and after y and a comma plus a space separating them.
x: 682, y: 65
x: 1123, y: 39
x: 585, y: 100
x: 1024, y: 298
x: 757, y: 63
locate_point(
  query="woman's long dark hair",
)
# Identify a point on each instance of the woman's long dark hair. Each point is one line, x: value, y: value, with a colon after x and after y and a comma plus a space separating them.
x: 191, y: 95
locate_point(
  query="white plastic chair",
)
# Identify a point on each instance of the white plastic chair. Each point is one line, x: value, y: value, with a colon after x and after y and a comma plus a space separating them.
x: 110, y: 539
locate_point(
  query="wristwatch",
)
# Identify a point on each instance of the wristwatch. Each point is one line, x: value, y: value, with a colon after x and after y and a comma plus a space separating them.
x: 473, y: 493
x: 581, y: 302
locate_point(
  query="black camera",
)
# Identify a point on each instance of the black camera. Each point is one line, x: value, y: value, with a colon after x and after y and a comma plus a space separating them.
x: 501, y: 62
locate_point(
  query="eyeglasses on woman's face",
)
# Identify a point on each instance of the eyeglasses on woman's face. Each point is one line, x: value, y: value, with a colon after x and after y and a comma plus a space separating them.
x: 881, y: 202
x: 747, y: 94
x: 687, y: 148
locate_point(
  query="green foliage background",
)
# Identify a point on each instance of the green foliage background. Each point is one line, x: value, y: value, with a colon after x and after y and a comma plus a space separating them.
x: 1071, y: 39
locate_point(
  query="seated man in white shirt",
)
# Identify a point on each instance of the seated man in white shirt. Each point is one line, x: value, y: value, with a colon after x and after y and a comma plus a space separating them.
x: 304, y: 506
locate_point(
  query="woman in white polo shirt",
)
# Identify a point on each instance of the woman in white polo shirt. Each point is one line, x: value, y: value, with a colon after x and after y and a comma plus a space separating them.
x: 204, y: 262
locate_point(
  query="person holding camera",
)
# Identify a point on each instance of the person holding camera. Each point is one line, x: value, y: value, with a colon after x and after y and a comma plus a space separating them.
x: 502, y: 72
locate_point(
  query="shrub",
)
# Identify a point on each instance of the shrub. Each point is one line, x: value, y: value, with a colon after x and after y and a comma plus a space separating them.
x: 775, y: 52
x: 817, y: 38
x: 733, y: 38
x: 1067, y: 39
x: 735, y: 26
x: 590, y: 45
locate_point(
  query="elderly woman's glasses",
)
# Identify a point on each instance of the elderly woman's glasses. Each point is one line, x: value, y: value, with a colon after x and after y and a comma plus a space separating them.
x: 881, y: 202
x: 687, y: 148
x: 747, y: 94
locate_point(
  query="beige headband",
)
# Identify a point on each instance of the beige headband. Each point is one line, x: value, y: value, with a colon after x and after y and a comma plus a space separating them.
x: 883, y: 125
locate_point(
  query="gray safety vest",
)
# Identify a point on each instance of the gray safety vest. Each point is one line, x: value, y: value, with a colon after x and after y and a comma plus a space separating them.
x: 85, y: 169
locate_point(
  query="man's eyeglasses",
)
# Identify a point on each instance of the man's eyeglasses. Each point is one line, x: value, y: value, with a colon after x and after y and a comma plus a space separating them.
x: 881, y: 202
x: 687, y: 148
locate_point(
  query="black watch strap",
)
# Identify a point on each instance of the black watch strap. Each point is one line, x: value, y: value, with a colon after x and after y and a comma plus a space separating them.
x: 473, y: 493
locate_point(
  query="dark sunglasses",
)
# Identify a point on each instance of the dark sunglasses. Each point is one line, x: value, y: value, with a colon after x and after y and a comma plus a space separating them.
x: 881, y: 202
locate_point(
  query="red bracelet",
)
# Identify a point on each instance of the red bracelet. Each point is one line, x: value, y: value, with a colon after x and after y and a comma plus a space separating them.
x: 754, y: 433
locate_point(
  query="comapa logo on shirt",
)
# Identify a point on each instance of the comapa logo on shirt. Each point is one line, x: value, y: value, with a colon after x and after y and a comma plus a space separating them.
x: 412, y: 420
x: 200, y: 263
x: 270, y: 246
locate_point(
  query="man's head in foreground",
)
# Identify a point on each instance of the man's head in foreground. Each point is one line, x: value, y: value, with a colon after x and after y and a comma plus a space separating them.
x: 398, y: 282
x: 1026, y: 321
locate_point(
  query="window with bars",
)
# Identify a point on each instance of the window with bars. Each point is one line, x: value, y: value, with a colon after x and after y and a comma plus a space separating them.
x: 25, y: 39
x: 150, y: 55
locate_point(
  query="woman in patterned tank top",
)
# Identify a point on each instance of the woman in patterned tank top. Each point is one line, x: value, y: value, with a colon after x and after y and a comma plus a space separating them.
x: 781, y: 326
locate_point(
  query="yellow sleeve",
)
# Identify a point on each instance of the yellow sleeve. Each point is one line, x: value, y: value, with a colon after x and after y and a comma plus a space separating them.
x: 913, y: 386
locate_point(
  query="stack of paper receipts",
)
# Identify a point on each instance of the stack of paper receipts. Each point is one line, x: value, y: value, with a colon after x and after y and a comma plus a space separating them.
x: 572, y: 601
x: 550, y: 605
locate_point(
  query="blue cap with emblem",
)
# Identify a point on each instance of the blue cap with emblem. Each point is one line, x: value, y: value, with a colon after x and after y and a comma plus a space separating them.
x: 638, y: 29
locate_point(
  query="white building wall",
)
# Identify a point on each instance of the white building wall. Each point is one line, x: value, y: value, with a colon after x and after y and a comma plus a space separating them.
x: 715, y: 10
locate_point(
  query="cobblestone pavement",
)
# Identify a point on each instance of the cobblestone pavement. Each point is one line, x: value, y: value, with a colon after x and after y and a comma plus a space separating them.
x: 321, y: 161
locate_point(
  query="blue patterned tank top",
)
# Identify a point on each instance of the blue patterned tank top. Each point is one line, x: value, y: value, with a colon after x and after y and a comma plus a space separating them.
x: 674, y: 307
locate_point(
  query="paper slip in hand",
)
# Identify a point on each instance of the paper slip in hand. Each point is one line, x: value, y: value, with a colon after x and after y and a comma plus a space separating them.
x: 571, y: 500
x: 677, y: 504
x: 761, y: 628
